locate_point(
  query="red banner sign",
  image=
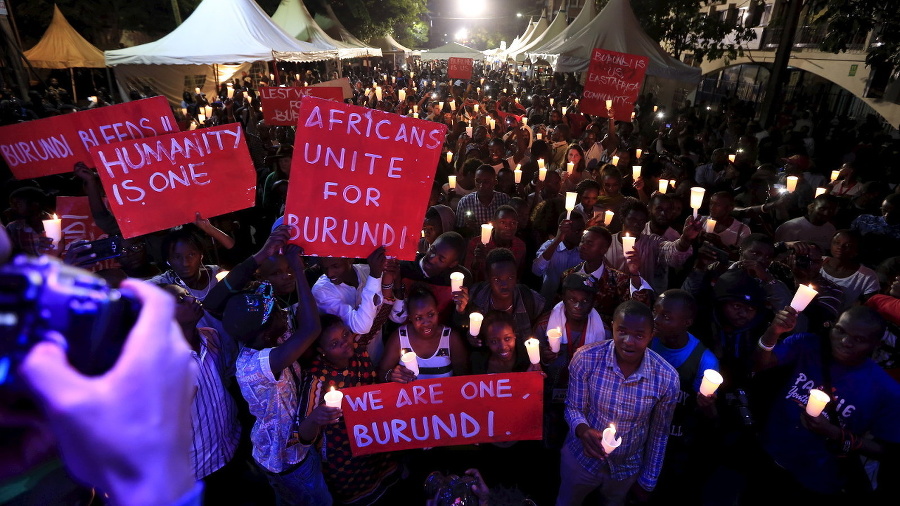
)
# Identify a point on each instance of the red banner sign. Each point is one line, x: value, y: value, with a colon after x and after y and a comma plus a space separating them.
x: 53, y: 145
x: 444, y: 412
x: 281, y: 104
x: 363, y: 176
x: 613, y: 76
x: 460, y: 68
x: 78, y: 225
x: 154, y: 184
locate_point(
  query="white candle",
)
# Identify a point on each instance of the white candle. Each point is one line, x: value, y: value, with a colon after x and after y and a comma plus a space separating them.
x: 608, y: 217
x: 609, y: 441
x: 553, y: 337
x: 820, y: 191
x: 609, y: 104
x: 453, y: 105
x: 456, y: 281
x: 449, y: 156
x: 711, y: 381
x: 697, y: 198
x: 53, y: 230
x: 475, y: 320
x: 542, y: 173
x: 334, y: 398
x: 476, y: 107
x: 570, y: 167
x: 524, y: 121
x: 433, y: 84
x: 221, y: 275
x: 655, y: 108
x: 402, y: 95
x: 518, y: 174
x: 792, y: 183
x: 493, y: 123
x: 540, y: 162
x: 469, y: 132
x: 451, y: 182
x: 805, y: 294
x: 534, y: 354
x: 731, y: 158
x: 551, y: 102
x: 197, y: 90
x: 411, y: 361
x: 635, y: 171
x: 486, y: 230
x: 229, y: 91
x: 415, y: 108
x: 564, y: 109
x: 441, y: 106
x: 539, y: 136
x: 834, y: 175
x: 663, y: 185
x: 571, y: 200
x: 710, y: 225
x: 633, y: 115
x: 201, y: 118
x: 816, y: 403
x: 627, y: 244
x: 638, y: 152
x: 416, y: 115
x: 615, y: 160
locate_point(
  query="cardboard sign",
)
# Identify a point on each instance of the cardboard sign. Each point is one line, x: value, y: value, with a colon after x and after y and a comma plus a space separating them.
x: 613, y: 76
x: 78, y: 225
x: 53, y: 145
x: 364, y: 179
x: 281, y: 104
x: 158, y: 183
x: 487, y: 408
x: 342, y: 83
x: 460, y: 68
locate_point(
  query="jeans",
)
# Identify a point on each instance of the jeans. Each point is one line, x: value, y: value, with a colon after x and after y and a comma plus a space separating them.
x: 578, y: 482
x: 302, y: 486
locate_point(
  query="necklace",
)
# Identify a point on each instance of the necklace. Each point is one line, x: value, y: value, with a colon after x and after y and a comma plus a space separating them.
x: 209, y: 283
x: 494, y: 306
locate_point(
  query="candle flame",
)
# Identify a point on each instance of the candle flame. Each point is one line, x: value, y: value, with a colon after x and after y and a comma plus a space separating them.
x: 332, y: 388
x: 55, y: 217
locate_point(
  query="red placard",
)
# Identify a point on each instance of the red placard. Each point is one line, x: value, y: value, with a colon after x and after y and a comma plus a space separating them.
x: 613, y: 76
x: 362, y: 177
x: 281, y: 104
x: 78, y: 225
x: 154, y: 184
x: 53, y: 145
x: 463, y: 410
x: 460, y: 68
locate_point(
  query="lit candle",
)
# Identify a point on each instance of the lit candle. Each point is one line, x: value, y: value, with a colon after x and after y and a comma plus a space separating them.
x: 731, y: 158
x: 469, y: 131
x: 534, y: 354
x: 475, y: 320
x: 805, y: 294
x: 415, y: 108
x: 201, y: 118
x: 209, y: 111
x: 627, y: 244
x: 663, y: 185
x: 482, y: 80
x: 571, y: 199
x: 453, y: 105
x: 609, y: 104
x: 551, y: 102
x: 456, y: 281
x: 475, y: 107
x: 449, y: 156
x: 229, y: 90
x: 504, y: 90
x: 820, y: 191
x: 53, y: 229
x: 609, y: 441
x: 416, y: 115
x: 542, y: 173
x: 633, y: 115
x: 570, y: 167
x: 524, y: 121
x: 711, y: 381
x: 197, y: 90
x: 816, y: 403
x: 221, y: 275
x: 834, y: 175
x: 564, y: 109
x: 615, y: 160
x: 710, y: 225
x: 402, y: 95
x: 493, y: 123
x: 334, y: 398
x: 635, y: 171
x: 378, y: 93
x: 697, y: 198
x: 433, y: 84
x: 517, y: 173
x: 638, y: 152
x: 655, y: 108
x: 553, y: 337
x: 792, y: 183
x: 451, y: 181
x: 486, y: 230
x: 411, y: 361
x: 539, y: 136
x: 517, y: 100
x: 540, y: 161
x: 441, y: 106
x: 608, y: 217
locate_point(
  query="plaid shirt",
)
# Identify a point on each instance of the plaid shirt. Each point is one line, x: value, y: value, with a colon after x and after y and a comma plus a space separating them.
x: 482, y: 213
x: 640, y: 406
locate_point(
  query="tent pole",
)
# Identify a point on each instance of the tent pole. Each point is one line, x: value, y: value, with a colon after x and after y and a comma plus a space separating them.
x: 112, y: 92
x: 72, y: 78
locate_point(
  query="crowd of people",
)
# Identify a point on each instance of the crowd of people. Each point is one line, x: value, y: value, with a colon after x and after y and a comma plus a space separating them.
x: 645, y: 287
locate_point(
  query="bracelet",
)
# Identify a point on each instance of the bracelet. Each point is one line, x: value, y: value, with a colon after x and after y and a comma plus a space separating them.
x: 387, y: 287
x: 763, y: 346
x: 387, y: 375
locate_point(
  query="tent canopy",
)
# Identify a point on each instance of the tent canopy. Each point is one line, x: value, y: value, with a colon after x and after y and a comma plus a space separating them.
x: 557, y: 26
x: 539, y: 27
x: 387, y: 44
x: 62, y: 47
x: 584, y: 17
x: 296, y: 20
x: 334, y: 28
x: 452, y: 50
x: 617, y: 29
x: 220, y: 31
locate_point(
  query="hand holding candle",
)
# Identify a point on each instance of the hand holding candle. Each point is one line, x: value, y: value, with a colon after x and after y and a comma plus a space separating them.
x: 711, y: 381
x: 608, y: 217
x: 615, y: 160
x: 627, y: 244
x: 542, y: 173
x: 449, y: 156
x: 697, y: 193
x: 451, y: 182
x: 805, y: 294
x: 456, y: 281
x: 635, y: 172
x: 486, y: 230
x: 571, y: 200
x: 411, y: 361
x: 816, y: 403
x: 534, y: 354
x: 517, y: 174
x: 710, y: 226
x: 638, y: 152
x: 53, y: 230
x: 663, y: 185
x: 334, y: 398
x: 834, y: 175
x: 554, y: 336
x: 610, y: 441
x: 570, y: 168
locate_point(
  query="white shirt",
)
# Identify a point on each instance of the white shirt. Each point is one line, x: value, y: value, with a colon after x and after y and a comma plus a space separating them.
x: 862, y: 282
x: 801, y: 229
x: 357, y: 306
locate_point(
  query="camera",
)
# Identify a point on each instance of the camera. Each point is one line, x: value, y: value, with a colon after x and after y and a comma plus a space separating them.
x: 42, y: 294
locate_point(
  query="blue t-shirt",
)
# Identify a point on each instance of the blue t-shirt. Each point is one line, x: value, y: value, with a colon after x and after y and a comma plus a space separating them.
x: 677, y: 357
x: 867, y: 400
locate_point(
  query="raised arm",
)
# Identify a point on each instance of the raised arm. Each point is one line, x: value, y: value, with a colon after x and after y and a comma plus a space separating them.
x: 306, y: 325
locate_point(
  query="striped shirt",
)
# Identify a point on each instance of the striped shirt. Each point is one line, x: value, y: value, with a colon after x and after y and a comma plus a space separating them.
x: 640, y: 406
x: 214, y: 422
x: 482, y: 213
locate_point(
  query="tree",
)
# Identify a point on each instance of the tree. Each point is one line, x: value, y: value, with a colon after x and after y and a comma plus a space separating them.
x: 373, y: 18
x: 846, y: 19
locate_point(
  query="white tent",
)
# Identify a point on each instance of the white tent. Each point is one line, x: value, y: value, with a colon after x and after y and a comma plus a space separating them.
x: 295, y: 19
x: 584, y: 17
x: 617, y: 29
x: 390, y: 47
x: 555, y: 28
x: 61, y: 47
x: 540, y: 26
x: 452, y: 50
x: 334, y: 28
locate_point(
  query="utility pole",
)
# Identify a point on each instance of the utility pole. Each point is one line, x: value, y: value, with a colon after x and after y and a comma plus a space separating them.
x: 774, y: 88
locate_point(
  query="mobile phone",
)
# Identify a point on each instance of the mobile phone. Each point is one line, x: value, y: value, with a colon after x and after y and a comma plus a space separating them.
x: 101, y: 249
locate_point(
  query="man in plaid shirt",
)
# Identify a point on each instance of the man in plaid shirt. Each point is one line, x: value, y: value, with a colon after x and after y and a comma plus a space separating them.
x: 623, y: 383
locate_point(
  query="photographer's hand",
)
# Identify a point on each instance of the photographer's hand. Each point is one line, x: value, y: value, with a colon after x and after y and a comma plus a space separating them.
x: 127, y: 432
